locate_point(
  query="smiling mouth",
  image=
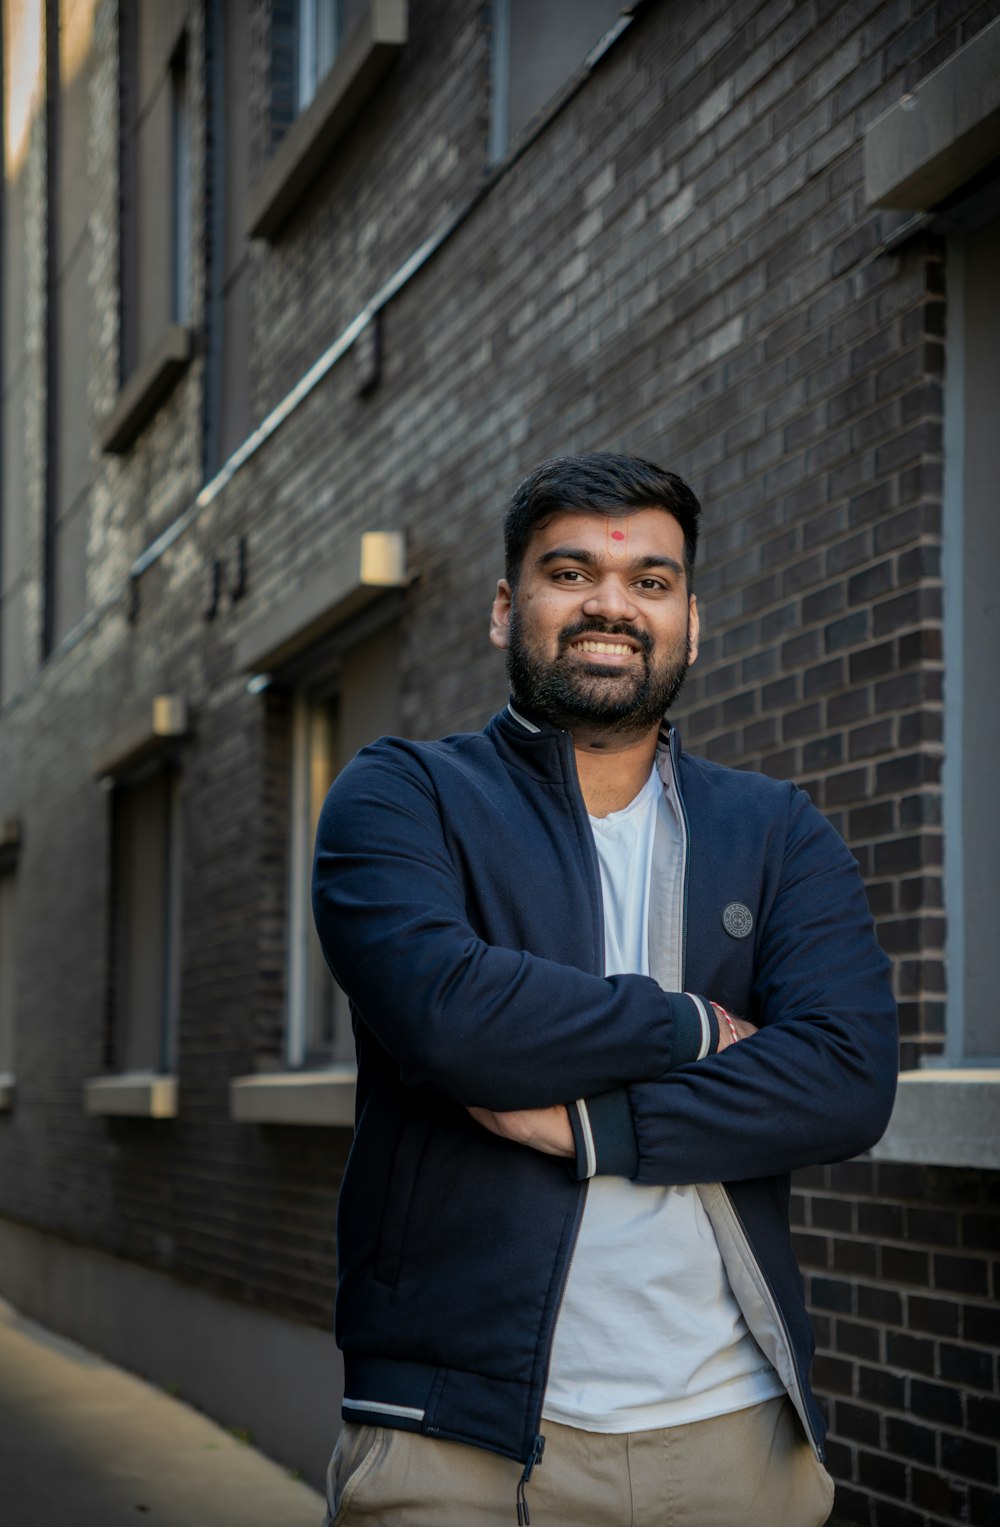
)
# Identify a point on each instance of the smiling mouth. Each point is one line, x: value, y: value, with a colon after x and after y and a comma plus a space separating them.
x: 605, y: 648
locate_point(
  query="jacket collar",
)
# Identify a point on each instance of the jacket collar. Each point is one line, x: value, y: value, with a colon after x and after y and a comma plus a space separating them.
x: 520, y: 723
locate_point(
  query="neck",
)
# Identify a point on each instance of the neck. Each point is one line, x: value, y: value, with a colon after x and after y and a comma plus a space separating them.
x: 612, y: 770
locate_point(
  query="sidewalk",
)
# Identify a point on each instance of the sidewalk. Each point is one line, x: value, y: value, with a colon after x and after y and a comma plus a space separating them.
x: 85, y: 1443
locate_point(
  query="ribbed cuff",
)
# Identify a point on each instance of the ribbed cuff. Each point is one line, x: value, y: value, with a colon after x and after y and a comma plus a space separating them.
x: 604, y: 1136
x: 696, y: 1028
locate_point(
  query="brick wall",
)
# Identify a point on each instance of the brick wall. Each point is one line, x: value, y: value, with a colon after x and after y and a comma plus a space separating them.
x: 681, y: 264
x: 903, y: 1271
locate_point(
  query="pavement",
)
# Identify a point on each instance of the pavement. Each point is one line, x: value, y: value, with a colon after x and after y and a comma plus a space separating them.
x: 86, y: 1443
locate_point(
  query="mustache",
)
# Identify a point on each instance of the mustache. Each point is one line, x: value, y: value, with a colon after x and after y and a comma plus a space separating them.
x: 594, y: 627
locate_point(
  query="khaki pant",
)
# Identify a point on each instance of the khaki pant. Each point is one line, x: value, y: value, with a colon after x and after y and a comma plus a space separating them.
x: 752, y: 1468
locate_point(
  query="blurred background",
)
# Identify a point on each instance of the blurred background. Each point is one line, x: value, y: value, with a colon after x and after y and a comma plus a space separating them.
x: 293, y: 292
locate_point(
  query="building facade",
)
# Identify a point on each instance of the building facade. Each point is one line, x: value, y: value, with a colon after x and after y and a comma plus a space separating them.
x: 294, y: 291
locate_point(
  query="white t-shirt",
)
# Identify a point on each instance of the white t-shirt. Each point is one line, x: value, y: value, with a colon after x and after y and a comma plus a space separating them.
x: 649, y: 1333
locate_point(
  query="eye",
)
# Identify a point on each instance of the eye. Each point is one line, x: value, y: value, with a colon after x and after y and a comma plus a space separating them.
x: 652, y: 585
x: 568, y: 575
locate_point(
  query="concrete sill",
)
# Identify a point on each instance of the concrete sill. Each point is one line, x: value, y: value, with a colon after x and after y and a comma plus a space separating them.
x: 133, y: 1094
x: 146, y: 389
x: 366, y: 56
x: 7, y: 1089
x: 945, y: 1118
x: 296, y: 1097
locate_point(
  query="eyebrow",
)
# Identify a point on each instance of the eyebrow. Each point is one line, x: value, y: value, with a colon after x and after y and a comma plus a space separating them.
x: 580, y: 554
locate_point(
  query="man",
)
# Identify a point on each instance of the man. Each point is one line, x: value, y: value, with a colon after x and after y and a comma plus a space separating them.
x: 566, y: 1278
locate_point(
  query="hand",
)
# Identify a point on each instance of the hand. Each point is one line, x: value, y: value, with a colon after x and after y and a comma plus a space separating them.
x: 744, y: 1029
x: 545, y: 1129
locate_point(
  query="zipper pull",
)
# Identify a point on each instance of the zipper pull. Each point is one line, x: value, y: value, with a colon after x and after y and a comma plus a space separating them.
x: 535, y: 1456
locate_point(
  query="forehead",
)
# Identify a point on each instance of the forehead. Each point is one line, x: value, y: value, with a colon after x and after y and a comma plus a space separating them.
x: 642, y: 533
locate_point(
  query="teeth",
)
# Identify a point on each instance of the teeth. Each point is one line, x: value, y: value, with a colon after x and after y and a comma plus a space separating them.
x: 618, y: 648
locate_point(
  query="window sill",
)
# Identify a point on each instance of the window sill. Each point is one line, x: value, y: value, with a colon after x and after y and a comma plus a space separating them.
x: 325, y: 1098
x: 945, y: 1118
x: 134, y: 1094
x: 146, y: 389
x: 363, y: 61
x: 8, y: 1086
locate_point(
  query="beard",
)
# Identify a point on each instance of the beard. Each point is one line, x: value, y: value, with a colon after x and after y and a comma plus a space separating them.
x: 570, y: 693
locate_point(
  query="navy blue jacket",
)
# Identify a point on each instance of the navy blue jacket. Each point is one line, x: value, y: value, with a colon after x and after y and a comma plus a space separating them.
x: 457, y: 897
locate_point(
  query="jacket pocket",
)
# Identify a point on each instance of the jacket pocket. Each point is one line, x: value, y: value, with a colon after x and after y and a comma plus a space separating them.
x: 404, y: 1176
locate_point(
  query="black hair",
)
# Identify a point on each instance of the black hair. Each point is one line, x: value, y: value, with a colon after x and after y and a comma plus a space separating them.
x: 599, y: 482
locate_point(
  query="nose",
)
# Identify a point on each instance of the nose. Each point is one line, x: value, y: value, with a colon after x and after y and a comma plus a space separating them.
x: 610, y: 599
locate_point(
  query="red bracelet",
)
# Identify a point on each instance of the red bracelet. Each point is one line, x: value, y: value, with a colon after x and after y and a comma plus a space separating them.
x: 721, y: 1012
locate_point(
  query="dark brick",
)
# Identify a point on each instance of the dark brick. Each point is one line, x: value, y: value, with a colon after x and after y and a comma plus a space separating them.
x: 911, y: 1353
x: 829, y: 1294
x: 984, y: 1415
x: 962, y: 1275
x: 938, y: 1317
x: 968, y: 1366
x: 875, y: 737
x: 868, y: 585
x: 854, y: 705
x: 847, y: 632
x: 936, y: 1402
x: 886, y: 1475
x: 981, y: 1323
x: 933, y: 1492
x: 857, y: 1423
x: 854, y: 1340
x: 879, y: 1386
x: 910, y: 1440
x: 832, y: 1374
x: 935, y: 1227
x: 981, y: 1232
x: 856, y: 1257
x: 969, y: 1459
x: 852, y: 785
x: 872, y: 662
x: 880, y: 1304
x: 824, y: 753
x: 910, y: 609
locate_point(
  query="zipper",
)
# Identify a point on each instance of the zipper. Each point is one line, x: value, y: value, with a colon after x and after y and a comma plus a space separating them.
x: 684, y: 854
x: 798, y: 1398
x: 534, y: 1457
x: 686, y: 857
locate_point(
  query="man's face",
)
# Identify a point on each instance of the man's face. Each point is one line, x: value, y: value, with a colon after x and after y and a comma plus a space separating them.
x: 600, y: 628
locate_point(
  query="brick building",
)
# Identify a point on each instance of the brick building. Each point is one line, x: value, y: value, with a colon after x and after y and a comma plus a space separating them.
x: 293, y: 292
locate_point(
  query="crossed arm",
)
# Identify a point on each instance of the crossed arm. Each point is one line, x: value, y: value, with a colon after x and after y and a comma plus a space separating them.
x: 548, y: 1129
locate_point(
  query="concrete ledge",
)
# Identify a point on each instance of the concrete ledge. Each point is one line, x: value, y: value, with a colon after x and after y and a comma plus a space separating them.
x: 162, y: 723
x: 296, y: 1097
x: 8, y: 1086
x: 941, y: 134
x: 945, y: 1118
x: 370, y: 563
x: 134, y: 1094
x: 366, y: 56
x: 146, y: 389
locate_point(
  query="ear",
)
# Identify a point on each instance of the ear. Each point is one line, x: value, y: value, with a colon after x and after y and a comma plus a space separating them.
x: 500, y: 615
x: 694, y: 629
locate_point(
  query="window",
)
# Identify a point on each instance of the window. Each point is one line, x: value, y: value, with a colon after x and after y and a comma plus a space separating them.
x: 537, y: 46
x: 69, y: 252
x: 328, y: 728
x: 155, y: 218
x: 227, y: 362
x: 318, y: 27
x: 144, y: 921
x: 180, y: 182
x: 972, y: 640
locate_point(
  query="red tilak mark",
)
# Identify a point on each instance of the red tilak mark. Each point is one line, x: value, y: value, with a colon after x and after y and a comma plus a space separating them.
x: 618, y: 535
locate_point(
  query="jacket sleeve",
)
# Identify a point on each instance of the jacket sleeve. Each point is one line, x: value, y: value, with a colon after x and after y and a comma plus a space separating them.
x: 816, y: 1084
x: 486, y: 1025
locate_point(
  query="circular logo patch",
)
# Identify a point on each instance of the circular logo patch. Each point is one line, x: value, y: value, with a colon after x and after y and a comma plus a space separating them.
x: 737, y: 919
